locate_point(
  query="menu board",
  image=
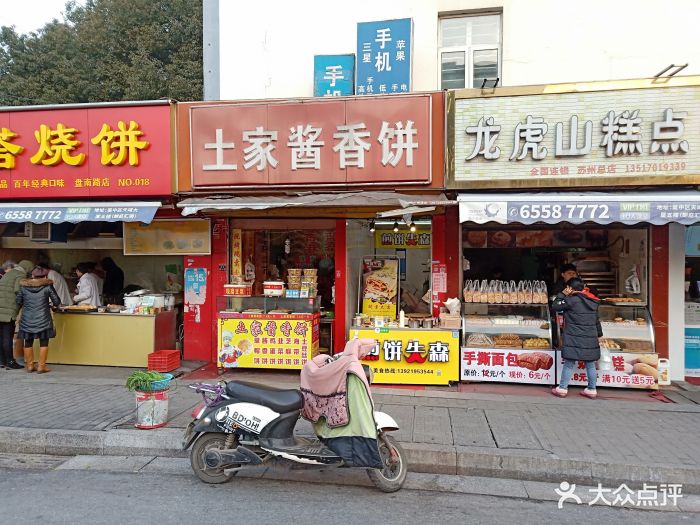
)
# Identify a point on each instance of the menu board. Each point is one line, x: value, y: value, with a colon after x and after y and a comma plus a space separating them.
x: 380, y: 286
x: 268, y: 341
x: 168, y: 237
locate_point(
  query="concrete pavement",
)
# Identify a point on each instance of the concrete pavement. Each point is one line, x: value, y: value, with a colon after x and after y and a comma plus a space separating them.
x: 503, y: 431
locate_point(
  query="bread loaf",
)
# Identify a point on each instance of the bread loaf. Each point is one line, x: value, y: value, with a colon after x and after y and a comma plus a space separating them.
x: 535, y: 361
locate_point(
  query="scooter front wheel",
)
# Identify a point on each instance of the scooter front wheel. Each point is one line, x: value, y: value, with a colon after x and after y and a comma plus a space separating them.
x: 204, y: 443
x: 391, y: 477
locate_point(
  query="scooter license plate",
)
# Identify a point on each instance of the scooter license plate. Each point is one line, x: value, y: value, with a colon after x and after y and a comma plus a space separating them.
x: 189, y: 434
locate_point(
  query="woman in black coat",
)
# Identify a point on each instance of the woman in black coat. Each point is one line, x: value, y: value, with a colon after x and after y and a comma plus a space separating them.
x: 35, y: 296
x: 580, y: 336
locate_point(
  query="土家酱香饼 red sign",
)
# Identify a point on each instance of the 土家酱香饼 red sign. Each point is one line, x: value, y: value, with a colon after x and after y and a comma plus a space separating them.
x: 378, y: 140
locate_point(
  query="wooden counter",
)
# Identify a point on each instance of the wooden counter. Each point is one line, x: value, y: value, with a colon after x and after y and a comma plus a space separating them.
x: 110, y: 339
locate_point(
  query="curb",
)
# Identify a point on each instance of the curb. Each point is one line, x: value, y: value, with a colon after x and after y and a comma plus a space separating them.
x: 524, y: 465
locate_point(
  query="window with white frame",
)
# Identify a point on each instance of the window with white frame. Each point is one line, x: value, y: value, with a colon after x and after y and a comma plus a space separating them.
x: 469, y: 50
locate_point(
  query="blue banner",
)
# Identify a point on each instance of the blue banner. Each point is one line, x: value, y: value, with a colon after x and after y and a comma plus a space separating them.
x: 334, y: 75
x: 384, y: 57
x: 692, y: 241
x: 692, y: 351
x: 79, y: 212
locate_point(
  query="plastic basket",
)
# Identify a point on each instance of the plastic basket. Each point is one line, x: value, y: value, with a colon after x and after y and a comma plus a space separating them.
x: 157, y: 386
x: 164, y: 360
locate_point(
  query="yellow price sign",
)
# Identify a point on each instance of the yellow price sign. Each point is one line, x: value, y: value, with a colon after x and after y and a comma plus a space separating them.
x: 412, y: 357
x: 268, y: 341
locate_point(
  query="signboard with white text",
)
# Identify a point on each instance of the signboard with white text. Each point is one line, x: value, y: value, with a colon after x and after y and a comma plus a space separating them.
x: 577, y: 139
x: 320, y: 142
x: 334, y: 75
x: 384, y: 57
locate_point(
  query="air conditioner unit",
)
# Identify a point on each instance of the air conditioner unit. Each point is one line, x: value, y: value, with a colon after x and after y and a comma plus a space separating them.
x: 40, y: 232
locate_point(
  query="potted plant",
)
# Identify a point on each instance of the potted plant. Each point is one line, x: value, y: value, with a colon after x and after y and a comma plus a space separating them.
x: 151, y: 390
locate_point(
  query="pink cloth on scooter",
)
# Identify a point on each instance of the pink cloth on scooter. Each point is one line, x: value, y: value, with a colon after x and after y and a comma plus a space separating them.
x: 324, y: 383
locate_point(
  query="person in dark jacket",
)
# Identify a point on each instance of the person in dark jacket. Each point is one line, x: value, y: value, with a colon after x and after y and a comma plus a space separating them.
x: 9, y: 285
x: 35, y: 296
x: 114, y: 280
x: 580, y: 336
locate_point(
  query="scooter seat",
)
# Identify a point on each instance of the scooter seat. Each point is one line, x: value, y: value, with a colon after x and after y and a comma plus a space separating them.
x: 274, y: 398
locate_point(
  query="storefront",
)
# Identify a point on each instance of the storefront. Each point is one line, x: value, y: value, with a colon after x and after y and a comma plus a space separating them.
x: 557, y: 140
x: 85, y: 183
x: 282, y: 282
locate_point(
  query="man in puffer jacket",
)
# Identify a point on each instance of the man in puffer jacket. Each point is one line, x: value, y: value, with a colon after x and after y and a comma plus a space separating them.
x: 9, y: 286
x: 581, y: 334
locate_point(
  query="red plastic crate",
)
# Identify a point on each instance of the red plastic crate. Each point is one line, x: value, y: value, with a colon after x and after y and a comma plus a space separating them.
x: 164, y: 360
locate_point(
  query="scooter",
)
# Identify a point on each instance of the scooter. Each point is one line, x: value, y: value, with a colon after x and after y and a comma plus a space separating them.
x: 240, y: 425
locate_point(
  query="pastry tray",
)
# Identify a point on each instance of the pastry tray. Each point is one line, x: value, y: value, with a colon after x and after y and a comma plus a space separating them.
x: 623, y: 303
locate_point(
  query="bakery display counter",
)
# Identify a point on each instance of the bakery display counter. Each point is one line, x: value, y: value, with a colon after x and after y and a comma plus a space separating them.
x: 627, y: 328
x: 628, y: 337
x: 509, y: 343
x: 106, y: 339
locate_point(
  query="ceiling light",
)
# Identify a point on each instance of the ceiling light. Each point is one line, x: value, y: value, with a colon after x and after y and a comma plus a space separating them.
x: 413, y: 227
x: 371, y: 226
x: 396, y: 227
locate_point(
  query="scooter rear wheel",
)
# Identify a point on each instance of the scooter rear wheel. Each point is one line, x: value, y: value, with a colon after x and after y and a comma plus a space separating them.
x: 391, y: 477
x: 204, y: 443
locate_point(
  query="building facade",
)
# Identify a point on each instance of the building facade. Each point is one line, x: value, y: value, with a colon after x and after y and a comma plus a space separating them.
x: 455, y: 42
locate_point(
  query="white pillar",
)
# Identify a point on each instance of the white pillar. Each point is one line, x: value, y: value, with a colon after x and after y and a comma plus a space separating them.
x: 676, y: 301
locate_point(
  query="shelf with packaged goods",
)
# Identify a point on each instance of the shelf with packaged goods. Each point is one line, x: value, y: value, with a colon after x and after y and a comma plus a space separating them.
x: 507, y: 326
x: 500, y: 352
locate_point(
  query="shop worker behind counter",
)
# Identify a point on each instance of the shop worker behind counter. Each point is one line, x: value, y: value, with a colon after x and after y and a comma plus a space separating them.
x: 114, y: 280
x: 568, y: 271
x: 88, y: 286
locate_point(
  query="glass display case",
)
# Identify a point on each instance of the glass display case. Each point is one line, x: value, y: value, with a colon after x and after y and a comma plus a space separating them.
x: 628, y: 336
x: 261, y: 304
x: 627, y: 328
x: 507, y: 343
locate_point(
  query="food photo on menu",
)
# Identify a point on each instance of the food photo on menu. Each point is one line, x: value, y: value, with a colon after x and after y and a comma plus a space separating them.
x: 379, y: 282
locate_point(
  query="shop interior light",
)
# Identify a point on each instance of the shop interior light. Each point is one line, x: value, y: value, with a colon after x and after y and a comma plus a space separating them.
x: 396, y: 227
x: 371, y: 226
x: 413, y: 227
x: 378, y: 223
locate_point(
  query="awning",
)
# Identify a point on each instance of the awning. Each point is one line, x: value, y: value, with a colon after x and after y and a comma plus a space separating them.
x: 578, y: 207
x: 78, y: 212
x: 380, y: 199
